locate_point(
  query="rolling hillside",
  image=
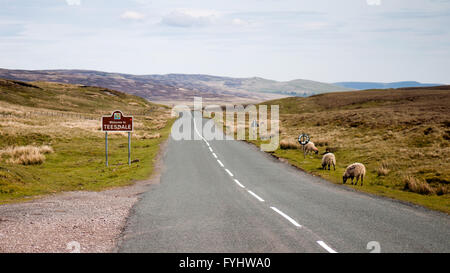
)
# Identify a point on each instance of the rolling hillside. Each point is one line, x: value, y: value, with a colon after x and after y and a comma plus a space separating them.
x: 172, y: 88
x: 380, y: 85
x: 255, y: 85
x: 70, y: 98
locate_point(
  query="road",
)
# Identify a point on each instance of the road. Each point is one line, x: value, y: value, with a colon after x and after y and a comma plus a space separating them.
x: 227, y: 196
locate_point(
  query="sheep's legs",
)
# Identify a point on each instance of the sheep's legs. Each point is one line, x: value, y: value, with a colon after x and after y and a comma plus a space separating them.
x: 359, y: 177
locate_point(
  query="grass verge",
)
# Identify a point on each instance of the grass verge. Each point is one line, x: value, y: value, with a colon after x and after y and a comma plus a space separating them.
x: 79, y: 164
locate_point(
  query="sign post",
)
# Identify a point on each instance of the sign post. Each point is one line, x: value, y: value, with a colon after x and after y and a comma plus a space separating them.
x: 117, y: 122
x: 106, y: 147
x: 129, y: 148
x: 303, y: 139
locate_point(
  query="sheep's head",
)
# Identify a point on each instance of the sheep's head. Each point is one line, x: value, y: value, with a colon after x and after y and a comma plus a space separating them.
x: 344, y: 179
x: 316, y: 151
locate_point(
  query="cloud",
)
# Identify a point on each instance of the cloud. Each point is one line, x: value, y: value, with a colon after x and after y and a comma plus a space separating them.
x: 239, y: 22
x: 190, y: 18
x: 73, y: 2
x: 373, y: 2
x: 132, y: 15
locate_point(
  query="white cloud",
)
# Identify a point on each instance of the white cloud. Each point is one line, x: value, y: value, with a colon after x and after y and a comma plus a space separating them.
x: 190, y: 18
x: 315, y: 25
x: 73, y: 2
x: 132, y: 15
x: 373, y: 2
x: 239, y: 22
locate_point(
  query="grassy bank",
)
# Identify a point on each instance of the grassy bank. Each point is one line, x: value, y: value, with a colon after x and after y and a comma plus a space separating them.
x: 77, y: 157
x: 401, y: 136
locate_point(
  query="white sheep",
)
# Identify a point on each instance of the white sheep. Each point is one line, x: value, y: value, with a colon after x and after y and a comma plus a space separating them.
x: 355, y: 170
x: 328, y: 159
x: 309, y: 148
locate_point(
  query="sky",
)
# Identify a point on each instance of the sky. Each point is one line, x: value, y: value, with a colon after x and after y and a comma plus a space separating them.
x: 328, y: 41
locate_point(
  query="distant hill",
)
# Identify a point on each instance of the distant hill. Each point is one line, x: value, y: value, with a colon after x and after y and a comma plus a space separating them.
x: 302, y: 88
x: 380, y: 85
x: 179, y: 87
x: 71, y: 98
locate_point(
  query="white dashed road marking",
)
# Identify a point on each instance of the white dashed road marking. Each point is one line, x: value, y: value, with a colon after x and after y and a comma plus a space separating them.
x: 286, y: 216
x: 220, y: 163
x: 237, y: 182
x: 228, y: 171
x: 256, y: 196
x: 326, y: 247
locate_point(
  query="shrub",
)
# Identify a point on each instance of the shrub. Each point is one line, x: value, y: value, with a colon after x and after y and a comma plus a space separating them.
x: 147, y: 136
x: 382, y: 171
x: 27, y: 155
x: 321, y: 143
x: 289, y: 144
x: 441, y: 190
x: 46, y: 149
x: 446, y: 135
x: 414, y: 185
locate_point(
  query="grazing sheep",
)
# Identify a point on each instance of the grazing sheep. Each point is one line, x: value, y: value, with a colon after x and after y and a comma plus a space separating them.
x: 328, y: 159
x: 310, y: 147
x: 355, y: 170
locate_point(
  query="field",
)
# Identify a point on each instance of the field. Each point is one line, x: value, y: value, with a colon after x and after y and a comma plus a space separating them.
x: 402, y: 136
x: 50, y: 139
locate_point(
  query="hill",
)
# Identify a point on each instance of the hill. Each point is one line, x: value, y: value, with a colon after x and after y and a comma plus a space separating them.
x: 70, y: 98
x: 50, y: 138
x: 379, y: 85
x: 172, y: 88
x: 255, y: 85
x: 401, y: 135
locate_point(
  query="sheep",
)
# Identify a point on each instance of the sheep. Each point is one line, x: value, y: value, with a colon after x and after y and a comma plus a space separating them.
x: 357, y: 170
x: 328, y: 159
x: 310, y: 147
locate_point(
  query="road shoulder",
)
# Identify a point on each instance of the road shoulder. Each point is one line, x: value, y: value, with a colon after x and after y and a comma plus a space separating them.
x: 92, y: 220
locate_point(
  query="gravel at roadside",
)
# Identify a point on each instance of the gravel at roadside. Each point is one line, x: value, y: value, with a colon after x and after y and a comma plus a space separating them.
x: 61, y: 222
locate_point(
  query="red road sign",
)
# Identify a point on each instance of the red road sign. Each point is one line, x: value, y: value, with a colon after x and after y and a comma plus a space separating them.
x: 117, y: 122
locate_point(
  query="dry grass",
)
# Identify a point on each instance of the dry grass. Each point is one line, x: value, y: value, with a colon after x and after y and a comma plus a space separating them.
x: 415, y: 185
x: 46, y: 149
x: 287, y: 144
x: 150, y: 136
x: 383, y: 169
x: 27, y: 155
